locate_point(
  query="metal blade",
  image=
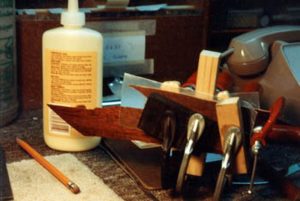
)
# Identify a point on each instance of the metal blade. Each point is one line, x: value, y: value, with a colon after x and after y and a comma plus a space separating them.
x: 253, y: 174
x: 132, y: 98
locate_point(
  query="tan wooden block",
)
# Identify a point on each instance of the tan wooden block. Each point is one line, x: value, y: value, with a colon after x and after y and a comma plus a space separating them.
x: 209, y: 62
x: 205, y: 88
x: 229, y: 114
x: 196, y: 165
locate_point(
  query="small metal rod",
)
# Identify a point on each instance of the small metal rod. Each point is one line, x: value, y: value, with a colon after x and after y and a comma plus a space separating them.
x: 252, y: 175
x: 255, y: 150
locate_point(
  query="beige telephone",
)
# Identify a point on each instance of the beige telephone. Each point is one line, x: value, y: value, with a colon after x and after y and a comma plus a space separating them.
x: 278, y: 72
x: 251, y: 50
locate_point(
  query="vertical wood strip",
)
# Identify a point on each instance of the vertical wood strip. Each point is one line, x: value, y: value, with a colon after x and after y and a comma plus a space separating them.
x: 229, y: 113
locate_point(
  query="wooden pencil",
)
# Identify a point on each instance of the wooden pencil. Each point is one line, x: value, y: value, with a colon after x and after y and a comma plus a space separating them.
x: 48, y: 166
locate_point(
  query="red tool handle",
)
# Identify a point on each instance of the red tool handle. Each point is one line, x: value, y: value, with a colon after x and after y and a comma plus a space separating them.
x: 224, y: 81
x: 285, y: 134
x: 274, y: 113
x: 191, y: 81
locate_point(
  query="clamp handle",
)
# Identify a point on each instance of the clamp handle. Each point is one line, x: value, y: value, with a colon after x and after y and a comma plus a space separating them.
x: 258, y: 139
x: 274, y: 113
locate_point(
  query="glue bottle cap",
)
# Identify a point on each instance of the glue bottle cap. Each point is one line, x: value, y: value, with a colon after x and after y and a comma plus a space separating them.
x: 72, y: 17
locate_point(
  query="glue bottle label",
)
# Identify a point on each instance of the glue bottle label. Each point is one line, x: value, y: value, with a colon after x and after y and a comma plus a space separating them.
x: 72, y: 81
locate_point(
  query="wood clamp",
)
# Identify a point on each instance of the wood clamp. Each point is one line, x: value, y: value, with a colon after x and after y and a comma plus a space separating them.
x: 195, y: 129
x: 232, y: 142
x: 168, y: 136
x: 229, y: 114
x: 205, y: 89
x: 231, y: 136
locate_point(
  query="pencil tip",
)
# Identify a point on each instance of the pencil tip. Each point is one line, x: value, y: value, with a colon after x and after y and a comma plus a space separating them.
x: 73, y: 187
x: 19, y: 141
x: 76, y: 190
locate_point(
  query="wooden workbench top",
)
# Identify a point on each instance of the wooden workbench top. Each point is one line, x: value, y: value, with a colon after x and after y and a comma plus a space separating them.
x: 29, y: 127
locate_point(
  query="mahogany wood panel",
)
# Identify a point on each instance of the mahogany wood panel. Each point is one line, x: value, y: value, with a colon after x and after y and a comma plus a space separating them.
x: 104, y: 122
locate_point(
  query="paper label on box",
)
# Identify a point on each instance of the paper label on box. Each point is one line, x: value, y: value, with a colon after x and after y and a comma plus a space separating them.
x: 124, y: 46
x: 149, y: 26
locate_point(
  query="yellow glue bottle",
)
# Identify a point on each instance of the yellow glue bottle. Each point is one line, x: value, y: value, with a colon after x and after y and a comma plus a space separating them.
x: 72, y: 76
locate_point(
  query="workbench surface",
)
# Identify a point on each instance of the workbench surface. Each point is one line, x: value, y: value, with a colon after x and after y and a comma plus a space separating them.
x: 29, y: 127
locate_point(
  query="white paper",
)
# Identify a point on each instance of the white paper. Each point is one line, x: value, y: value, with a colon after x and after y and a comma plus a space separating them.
x: 124, y: 46
x: 154, y: 7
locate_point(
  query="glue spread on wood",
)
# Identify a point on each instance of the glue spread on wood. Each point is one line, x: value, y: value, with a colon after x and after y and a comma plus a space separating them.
x: 172, y: 86
x: 72, y: 76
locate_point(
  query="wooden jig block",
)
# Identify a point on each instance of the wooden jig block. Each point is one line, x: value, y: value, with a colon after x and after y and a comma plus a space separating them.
x: 205, y: 88
x: 209, y: 62
x: 229, y: 114
x: 196, y: 165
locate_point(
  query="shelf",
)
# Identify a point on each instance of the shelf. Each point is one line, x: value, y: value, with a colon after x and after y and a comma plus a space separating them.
x: 232, y: 31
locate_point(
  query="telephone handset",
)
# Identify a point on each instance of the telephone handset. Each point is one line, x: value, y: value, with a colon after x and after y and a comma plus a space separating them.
x: 251, y: 50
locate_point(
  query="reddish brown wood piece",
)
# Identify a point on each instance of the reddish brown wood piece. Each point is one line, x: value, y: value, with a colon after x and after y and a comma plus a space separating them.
x: 103, y: 122
x: 107, y: 122
x: 204, y: 107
